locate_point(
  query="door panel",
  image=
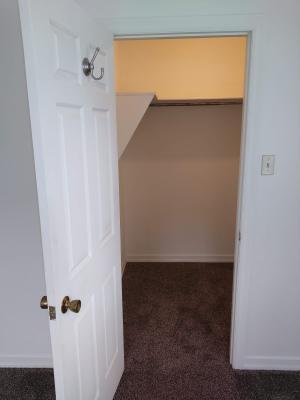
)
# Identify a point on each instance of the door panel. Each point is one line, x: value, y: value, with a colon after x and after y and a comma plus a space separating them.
x: 74, y: 136
x: 110, y: 319
x: 66, y: 46
x: 73, y: 167
x: 86, y: 349
x: 101, y: 120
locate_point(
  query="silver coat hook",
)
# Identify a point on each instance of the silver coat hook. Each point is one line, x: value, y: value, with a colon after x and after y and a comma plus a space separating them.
x: 88, y: 66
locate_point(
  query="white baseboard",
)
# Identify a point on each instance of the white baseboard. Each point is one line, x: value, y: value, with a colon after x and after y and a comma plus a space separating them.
x: 273, y: 363
x: 26, y: 361
x: 207, y: 258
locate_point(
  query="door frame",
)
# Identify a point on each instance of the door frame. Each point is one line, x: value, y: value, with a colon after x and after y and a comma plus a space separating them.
x: 219, y: 26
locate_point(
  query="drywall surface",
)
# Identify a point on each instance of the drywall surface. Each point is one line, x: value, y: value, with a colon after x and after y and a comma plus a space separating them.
x: 130, y: 110
x: 266, y: 318
x: 24, y: 333
x: 179, y: 184
x: 206, y: 68
x: 119, y: 9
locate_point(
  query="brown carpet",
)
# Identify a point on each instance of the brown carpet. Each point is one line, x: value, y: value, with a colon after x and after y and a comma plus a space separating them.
x: 26, y: 384
x: 177, y: 332
x: 176, y: 325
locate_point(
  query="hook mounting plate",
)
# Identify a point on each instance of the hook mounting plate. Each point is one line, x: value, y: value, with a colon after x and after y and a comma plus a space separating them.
x: 86, y: 66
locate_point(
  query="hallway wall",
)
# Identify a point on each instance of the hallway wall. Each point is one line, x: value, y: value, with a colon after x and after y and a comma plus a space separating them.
x: 179, y: 179
x: 24, y: 333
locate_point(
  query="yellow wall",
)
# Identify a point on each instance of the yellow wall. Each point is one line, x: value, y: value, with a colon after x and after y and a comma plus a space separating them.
x: 190, y: 68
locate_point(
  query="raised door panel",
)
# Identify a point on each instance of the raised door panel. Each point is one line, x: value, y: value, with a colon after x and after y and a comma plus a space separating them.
x: 87, y: 352
x: 109, y: 303
x: 100, y: 181
x: 75, y: 184
x: 66, y: 51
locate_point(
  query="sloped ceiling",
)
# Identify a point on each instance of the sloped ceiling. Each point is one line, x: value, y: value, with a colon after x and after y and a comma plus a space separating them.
x: 131, y: 108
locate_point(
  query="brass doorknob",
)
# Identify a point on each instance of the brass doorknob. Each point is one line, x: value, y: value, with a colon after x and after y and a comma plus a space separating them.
x: 44, y: 303
x: 67, y: 304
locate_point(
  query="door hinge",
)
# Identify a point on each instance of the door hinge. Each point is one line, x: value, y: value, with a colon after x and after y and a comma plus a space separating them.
x: 240, y: 236
x: 52, y: 313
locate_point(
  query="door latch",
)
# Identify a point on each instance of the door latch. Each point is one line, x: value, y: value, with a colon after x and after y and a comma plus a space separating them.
x: 52, y: 313
x: 44, y: 305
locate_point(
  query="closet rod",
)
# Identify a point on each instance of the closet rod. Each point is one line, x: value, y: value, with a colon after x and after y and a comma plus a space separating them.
x: 189, y: 103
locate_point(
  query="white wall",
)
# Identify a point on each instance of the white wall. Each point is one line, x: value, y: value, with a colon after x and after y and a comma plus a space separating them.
x: 24, y: 333
x: 179, y: 184
x: 267, y: 322
x: 136, y: 8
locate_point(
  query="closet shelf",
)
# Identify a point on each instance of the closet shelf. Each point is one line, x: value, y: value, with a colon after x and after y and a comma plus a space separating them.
x: 194, y: 102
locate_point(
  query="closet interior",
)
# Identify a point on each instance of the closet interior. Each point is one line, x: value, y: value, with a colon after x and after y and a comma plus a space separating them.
x: 179, y: 113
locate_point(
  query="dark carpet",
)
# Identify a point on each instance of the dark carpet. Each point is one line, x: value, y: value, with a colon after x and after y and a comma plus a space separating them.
x: 26, y: 384
x: 177, y: 329
x: 177, y: 333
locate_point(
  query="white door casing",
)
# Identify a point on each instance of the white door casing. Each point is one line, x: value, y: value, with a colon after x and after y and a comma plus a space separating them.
x: 75, y: 147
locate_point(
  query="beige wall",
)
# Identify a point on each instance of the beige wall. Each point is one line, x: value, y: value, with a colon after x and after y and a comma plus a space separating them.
x: 207, y: 68
x: 179, y: 178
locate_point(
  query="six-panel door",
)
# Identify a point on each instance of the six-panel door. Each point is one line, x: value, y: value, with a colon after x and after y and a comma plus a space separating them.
x: 74, y: 133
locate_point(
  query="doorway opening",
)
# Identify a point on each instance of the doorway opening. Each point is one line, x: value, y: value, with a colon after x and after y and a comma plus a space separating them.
x: 181, y: 106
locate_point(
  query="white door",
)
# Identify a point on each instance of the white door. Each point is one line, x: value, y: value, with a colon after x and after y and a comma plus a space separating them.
x: 74, y: 136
